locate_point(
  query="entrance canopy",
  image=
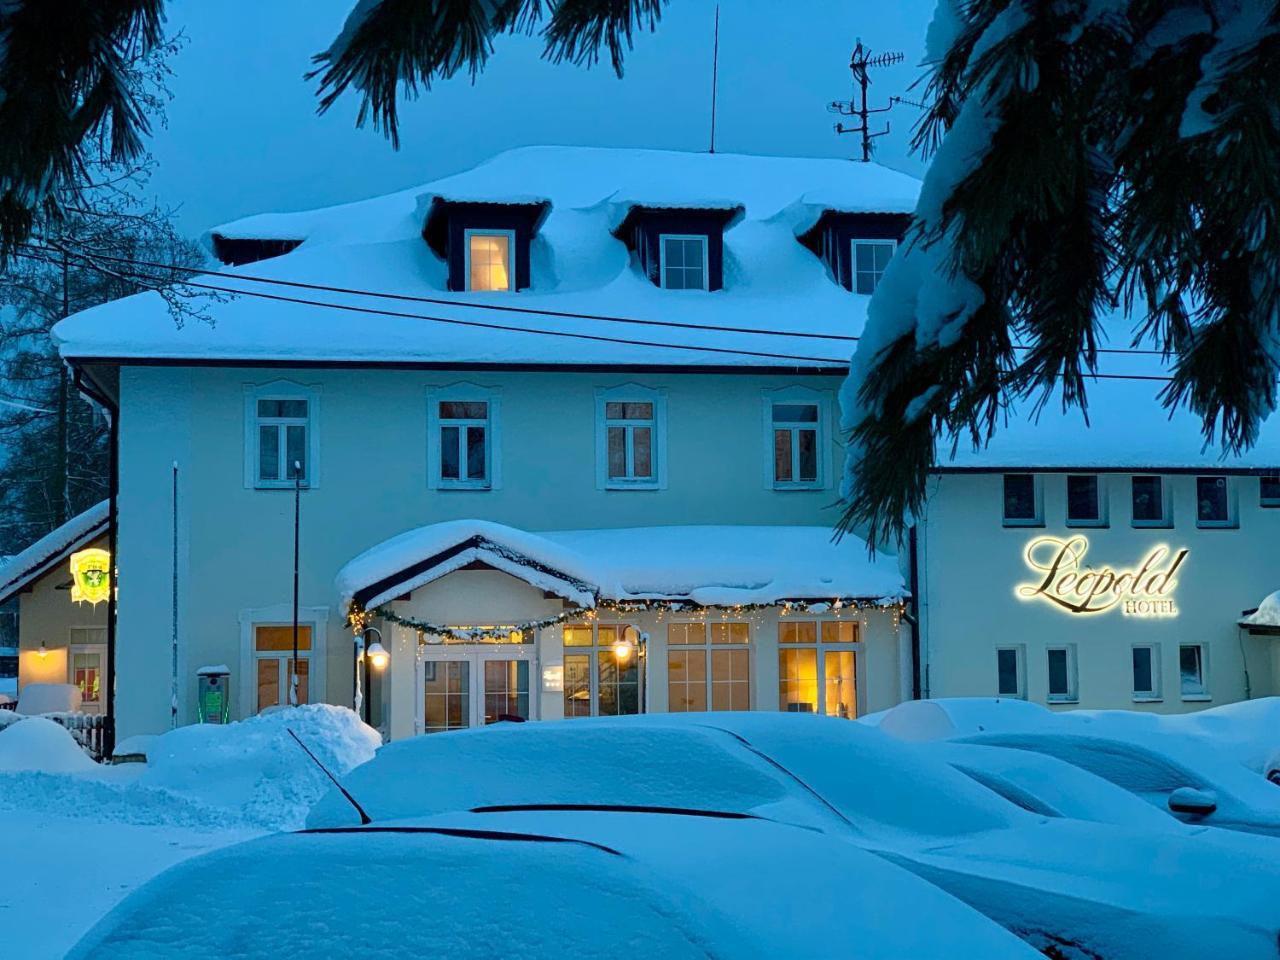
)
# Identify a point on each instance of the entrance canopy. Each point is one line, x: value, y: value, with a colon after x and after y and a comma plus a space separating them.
x: 704, y: 565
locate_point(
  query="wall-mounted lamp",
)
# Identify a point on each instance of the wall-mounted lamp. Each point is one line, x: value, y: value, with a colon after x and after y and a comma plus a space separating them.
x: 378, y: 655
x: 43, y: 651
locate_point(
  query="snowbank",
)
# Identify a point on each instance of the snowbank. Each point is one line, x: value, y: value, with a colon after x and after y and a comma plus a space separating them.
x: 946, y: 717
x: 37, y: 744
x: 254, y: 768
x: 1267, y: 614
x: 37, y: 698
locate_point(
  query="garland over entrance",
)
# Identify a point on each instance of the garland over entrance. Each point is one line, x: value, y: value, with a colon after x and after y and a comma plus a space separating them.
x: 524, y: 632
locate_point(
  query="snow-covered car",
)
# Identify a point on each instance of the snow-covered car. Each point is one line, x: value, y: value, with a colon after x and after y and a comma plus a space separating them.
x: 547, y: 882
x: 1077, y: 888
x: 1188, y: 781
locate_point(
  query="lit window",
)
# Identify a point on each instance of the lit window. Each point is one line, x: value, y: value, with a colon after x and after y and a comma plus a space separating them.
x: 489, y: 261
x: 273, y: 659
x: 1062, y: 675
x: 629, y: 429
x: 708, y: 676
x: 796, y: 442
x: 597, y: 683
x: 1149, y: 502
x: 1021, y: 500
x: 282, y: 433
x: 1191, y: 671
x: 870, y: 258
x: 1146, y: 672
x: 86, y: 665
x: 464, y: 447
x: 683, y: 261
x: 1213, y: 507
x: 1084, y: 505
x: 1269, y: 493
x: 1009, y: 673
x: 817, y: 668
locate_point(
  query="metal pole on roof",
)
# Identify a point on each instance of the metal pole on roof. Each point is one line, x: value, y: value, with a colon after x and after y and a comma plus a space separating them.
x: 715, y: 69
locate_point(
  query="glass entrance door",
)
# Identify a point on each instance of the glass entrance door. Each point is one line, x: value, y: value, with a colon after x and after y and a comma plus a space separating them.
x: 463, y: 689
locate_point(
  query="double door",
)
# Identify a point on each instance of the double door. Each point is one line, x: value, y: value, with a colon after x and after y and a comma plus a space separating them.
x: 462, y: 688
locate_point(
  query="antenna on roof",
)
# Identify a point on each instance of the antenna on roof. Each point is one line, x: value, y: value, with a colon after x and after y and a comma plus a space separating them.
x: 715, y: 69
x: 860, y: 63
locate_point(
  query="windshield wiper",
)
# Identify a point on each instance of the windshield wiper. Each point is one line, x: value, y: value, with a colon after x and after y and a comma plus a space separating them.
x: 614, y: 808
x: 467, y: 834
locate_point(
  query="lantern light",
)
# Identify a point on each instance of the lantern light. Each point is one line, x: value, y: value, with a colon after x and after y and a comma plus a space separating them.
x: 378, y: 655
x: 44, y: 651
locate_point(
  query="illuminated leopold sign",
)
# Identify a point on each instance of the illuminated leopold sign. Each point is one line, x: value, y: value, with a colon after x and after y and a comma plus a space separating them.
x: 1065, y: 581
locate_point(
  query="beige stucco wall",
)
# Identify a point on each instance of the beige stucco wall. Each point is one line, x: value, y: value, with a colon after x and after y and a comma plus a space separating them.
x: 492, y: 597
x: 971, y: 563
x: 234, y: 551
x: 47, y: 615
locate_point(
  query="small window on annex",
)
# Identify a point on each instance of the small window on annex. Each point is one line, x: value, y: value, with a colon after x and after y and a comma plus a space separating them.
x: 797, y: 444
x: 282, y: 426
x: 597, y: 683
x: 1213, y: 504
x: 1269, y: 490
x: 629, y: 434
x: 464, y: 442
x: 272, y: 663
x: 1191, y: 671
x: 490, y: 265
x: 1084, y: 501
x: 708, y: 666
x: 1021, y: 500
x: 817, y: 667
x: 1010, y: 673
x: 1146, y: 672
x: 1149, y: 502
x: 683, y: 261
x: 870, y: 258
x: 1062, y: 675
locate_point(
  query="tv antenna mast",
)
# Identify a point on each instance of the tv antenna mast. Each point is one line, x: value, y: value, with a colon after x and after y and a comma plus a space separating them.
x: 860, y: 64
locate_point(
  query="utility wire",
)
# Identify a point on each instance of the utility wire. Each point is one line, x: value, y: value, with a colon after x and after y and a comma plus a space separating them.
x: 697, y: 348
x: 507, y: 308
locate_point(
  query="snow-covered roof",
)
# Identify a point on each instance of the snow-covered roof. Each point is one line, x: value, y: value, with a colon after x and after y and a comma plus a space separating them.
x: 705, y: 565
x: 1267, y: 614
x: 1128, y: 427
x: 51, y: 549
x: 772, y: 282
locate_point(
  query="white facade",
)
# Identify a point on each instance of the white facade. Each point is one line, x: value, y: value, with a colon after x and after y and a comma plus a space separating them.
x: 1126, y: 646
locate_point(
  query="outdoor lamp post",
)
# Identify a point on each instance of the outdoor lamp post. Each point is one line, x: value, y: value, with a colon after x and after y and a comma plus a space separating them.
x: 372, y: 653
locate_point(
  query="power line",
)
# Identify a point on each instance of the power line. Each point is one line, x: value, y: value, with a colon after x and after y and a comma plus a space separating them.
x: 697, y: 348
x: 505, y: 308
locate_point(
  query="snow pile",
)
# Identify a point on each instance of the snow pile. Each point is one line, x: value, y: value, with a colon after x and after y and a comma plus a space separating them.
x: 37, y: 744
x: 946, y: 717
x: 253, y: 768
x: 37, y: 698
x: 1267, y: 614
x: 704, y: 564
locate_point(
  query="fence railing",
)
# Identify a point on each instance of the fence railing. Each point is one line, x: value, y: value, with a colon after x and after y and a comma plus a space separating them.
x: 88, y: 729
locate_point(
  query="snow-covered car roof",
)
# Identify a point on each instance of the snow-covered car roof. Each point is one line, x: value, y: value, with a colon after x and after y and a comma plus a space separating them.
x: 772, y: 281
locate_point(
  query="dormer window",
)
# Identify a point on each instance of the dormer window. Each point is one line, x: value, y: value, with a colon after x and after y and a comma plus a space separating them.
x: 870, y: 258
x: 488, y: 266
x: 684, y: 261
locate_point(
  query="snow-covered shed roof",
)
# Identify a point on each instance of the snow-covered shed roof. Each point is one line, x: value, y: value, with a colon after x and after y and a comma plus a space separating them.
x: 772, y: 282
x: 1266, y: 616
x: 51, y: 549
x: 704, y: 565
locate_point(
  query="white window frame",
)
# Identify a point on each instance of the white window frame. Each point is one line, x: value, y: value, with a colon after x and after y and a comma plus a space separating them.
x: 279, y: 614
x: 1153, y: 695
x: 632, y: 393
x: 1072, y: 694
x: 77, y: 644
x: 821, y: 647
x: 1037, y: 493
x: 853, y: 259
x: 281, y: 390
x: 662, y: 258
x: 465, y: 393
x: 1166, y: 505
x: 1101, y: 494
x: 1020, y: 669
x: 1265, y: 502
x: 1231, y: 521
x: 470, y: 232
x: 786, y: 396
x: 706, y: 647
x: 1203, y: 694
x: 592, y: 654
